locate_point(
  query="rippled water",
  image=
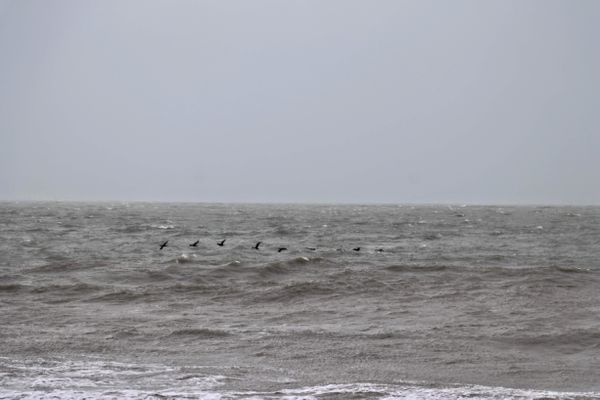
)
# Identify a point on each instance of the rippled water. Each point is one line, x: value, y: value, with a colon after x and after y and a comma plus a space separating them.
x: 441, y: 302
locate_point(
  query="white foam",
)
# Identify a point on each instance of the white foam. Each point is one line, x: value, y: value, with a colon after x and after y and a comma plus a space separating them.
x: 101, y: 380
x: 42, y: 379
x: 186, y: 258
x: 166, y: 226
x: 107, y: 395
x: 421, y: 392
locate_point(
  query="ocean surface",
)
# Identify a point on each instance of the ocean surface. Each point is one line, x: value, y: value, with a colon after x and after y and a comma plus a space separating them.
x: 441, y: 302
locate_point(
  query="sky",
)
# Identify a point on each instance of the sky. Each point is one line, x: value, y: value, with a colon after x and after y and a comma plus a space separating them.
x: 336, y: 101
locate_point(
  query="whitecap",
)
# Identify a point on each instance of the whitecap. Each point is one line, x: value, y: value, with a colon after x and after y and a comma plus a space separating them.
x: 163, y: 226
x: 186, y: 258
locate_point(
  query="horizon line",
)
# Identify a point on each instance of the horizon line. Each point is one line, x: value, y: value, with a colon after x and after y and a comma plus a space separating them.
x: 308, y: 203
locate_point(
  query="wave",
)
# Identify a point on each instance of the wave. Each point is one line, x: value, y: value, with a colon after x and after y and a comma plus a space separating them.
x: 60, y: 263
x: 98, y: 379
x: 432, y: 236
x: 12, y: 288
x: 502, y: 270
x: 165, y: 226
x: 336, y: 285
x: 294, y: 290
x: 320, y: 334
x: 121, y: 296
x: 176, y: 383
x: 301, y: 277
x: 284, y: 231
x: 281, y: 267
x: 294, y: 265
x: 135, y: 228
x: 200, y: 333
x: 577, y: 340
x: 193, y: 288
x: 416, y: 268
x: 410, y: 390
x: 187, y: 258
x: 162, y: 289
x: 158, y: 275
x: 572, y: 270
x: 306, y: 260
x: 122, y: 333
x: 67, y: 289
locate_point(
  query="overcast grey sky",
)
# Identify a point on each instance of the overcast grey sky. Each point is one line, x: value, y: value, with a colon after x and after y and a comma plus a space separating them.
x: 301, y: 101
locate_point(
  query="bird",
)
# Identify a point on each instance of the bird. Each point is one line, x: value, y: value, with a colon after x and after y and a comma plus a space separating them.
x: 281, y: 249
x: 379, y: 250
x: 221, y: 243
x: 195, y: 244
x: 311, y: 248
x: 162, y: 246
x: 356, y: 249
x: 257, y: 244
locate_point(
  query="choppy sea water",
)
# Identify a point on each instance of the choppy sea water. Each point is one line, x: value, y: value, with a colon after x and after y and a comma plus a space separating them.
x: 462, y: 302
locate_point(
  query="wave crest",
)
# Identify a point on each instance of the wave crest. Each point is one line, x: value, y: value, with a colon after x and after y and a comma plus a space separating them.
x: 200, y: 333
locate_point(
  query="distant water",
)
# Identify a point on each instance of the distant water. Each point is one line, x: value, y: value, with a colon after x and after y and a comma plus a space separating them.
x: 463, y: 302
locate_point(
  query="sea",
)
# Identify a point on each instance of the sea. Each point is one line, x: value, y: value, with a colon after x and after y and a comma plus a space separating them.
x: 432, y: 302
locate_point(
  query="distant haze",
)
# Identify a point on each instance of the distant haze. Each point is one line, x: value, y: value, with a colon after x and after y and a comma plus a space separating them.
x: 301, y: 101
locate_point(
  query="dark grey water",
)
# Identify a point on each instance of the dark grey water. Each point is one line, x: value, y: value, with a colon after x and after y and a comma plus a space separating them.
x: 463, y: 302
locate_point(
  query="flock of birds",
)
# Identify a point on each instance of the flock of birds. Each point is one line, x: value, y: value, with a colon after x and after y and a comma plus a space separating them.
x: 257, y: 245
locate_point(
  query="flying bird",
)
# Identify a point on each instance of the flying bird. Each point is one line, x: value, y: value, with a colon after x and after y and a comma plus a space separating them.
x: 195, y: 244
x: 162, y: 246
x: 257, y: 244
x: 379, y: 250
x: 221, y: 243
x: 281, y: 249
x: 356, y: 249
x: 311, y: 248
